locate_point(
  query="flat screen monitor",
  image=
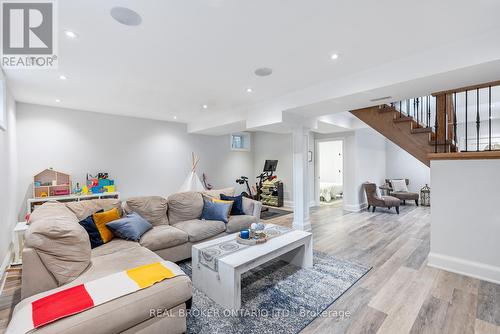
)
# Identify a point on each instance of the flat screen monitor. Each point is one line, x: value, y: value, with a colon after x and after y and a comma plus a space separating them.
x: 270, y: 165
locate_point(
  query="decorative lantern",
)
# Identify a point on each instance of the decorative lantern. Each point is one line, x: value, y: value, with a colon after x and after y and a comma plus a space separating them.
x: 425, y: 196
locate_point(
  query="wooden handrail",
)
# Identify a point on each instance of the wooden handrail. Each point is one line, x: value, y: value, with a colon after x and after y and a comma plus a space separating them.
x: 481, y: 155
x: 473, y: 87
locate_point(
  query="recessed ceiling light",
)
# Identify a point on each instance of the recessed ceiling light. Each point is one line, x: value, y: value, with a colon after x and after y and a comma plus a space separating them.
x: 335, y: 56
x: 263, y: 71
x: 57, y: 100
x: 70, y: 34
x: 175, y: 117
x: 249, y: 90
x: 63, y: 77
x: 204, y: 106
x: 126, y: 16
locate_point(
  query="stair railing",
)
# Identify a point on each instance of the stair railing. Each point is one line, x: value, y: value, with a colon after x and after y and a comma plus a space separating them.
x: 421, y: 109
x: 462, y: 120
x: 475, y: 120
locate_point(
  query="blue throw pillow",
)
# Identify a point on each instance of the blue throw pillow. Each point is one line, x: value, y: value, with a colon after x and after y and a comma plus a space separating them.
x: 130, y: 227
x: 237, y: 209
x: 215, y: 210
x: 91, y: 228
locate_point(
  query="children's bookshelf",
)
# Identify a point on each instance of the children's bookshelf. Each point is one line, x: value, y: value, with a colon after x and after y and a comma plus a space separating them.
x: 32, y: 203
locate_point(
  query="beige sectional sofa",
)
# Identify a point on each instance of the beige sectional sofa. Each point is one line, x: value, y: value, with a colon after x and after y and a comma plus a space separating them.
x: 57, y: 255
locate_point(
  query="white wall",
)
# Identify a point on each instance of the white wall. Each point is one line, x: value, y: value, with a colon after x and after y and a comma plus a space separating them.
x: 400, y: 164
x: 370, y: 161
x: 273, y: 146
x: 8, y: 172
x: 145, y: 157
x: 465, y: 225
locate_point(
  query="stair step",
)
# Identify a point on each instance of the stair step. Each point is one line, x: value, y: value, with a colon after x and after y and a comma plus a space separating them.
x: 421, y: 130
x: 387, y: 109
x: 398, y: 131
x: 403, y: 119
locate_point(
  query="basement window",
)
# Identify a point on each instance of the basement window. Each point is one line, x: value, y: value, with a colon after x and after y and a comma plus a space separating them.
x: 240, y: 142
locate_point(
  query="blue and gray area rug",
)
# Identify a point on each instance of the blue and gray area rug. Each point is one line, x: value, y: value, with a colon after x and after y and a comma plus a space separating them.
x: 276, y: 298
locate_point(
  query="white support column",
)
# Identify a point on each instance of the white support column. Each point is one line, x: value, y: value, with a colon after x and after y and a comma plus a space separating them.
x: 300, y: 179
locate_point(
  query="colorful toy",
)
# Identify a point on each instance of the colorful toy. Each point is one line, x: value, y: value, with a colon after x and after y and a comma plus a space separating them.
x: 100, y: 184
x: 77, y: 189
x: 60, y: 192
x: 109, y: 189
x: 51, y: 183
x: 102, y: 176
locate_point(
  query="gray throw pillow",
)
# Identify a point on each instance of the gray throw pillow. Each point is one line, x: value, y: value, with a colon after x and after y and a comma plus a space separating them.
x: 130, y: 227
x: 216, y: 210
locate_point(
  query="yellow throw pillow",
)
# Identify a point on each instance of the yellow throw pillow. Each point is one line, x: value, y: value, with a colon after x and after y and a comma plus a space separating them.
x: 100, y: 220
x: 221, y: 201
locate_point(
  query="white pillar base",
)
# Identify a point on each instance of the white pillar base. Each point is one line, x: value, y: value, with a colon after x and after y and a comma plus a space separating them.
x: 302, y: 225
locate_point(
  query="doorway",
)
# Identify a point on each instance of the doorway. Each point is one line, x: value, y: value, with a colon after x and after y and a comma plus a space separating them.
x: 329, y: 172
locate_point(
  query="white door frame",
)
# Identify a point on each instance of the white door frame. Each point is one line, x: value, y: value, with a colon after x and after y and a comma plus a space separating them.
x: 316, y: 164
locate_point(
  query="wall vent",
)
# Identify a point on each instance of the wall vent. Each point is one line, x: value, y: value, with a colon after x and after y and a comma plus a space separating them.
x: 381, y: 98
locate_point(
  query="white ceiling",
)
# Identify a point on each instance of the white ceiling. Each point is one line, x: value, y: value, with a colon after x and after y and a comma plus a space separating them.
x: 189, y: 53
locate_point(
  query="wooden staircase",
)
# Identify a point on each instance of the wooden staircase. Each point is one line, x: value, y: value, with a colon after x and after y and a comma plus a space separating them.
x: 404, y: 131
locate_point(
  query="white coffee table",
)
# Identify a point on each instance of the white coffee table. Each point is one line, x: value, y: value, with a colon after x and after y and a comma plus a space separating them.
x: 224, y: 285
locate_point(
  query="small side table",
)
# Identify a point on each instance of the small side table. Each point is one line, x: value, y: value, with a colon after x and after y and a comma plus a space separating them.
x: 385, y: 190
x: 18, y: 240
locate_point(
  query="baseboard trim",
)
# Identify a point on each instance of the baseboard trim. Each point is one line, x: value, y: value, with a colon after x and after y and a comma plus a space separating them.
x: 289, y: 204
x: 473, y: 269
x: 355, y: 207
x: 5, y: 264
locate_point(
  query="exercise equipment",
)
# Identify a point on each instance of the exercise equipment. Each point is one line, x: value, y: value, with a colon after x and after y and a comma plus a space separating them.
x: 244, y: 180
x: 266, y: 175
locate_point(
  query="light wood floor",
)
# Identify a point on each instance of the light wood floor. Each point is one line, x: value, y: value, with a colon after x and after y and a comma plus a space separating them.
x: 399, y: 295
x: 10, y: 296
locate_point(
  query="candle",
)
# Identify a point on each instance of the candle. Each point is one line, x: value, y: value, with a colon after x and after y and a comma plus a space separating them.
x: 244, y: 234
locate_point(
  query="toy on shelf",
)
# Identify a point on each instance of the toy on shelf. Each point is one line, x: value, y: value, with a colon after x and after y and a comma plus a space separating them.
x: 51, y: 183
x: 77, y: 190
x: 99, y: 184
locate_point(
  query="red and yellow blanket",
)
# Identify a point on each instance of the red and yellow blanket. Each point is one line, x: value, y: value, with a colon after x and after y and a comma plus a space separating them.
x: 82, y: 297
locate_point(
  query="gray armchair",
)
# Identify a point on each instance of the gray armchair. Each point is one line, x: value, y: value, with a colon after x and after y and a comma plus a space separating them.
x: 402, y: 195
x: 374, y: 200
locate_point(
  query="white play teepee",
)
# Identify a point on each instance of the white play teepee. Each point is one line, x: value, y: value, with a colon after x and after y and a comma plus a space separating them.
x: 192, y: 182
